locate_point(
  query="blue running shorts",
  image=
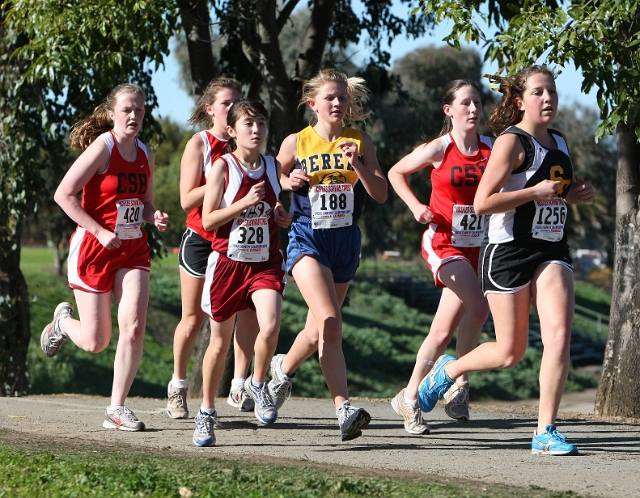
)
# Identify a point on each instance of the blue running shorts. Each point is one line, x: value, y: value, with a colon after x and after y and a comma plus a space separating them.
x: 336, y: 248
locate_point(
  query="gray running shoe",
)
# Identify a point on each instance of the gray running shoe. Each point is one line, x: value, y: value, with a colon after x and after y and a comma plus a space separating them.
x: 177, y: 402
x: 122, y: 419
x: 352, y: 420
x: 204, y: 435
x: 457, y: 402
x: 280, y: 384
x: 413, y: 422
x: 265, y: 408
x: 53, y: 337
x: 240, y: 399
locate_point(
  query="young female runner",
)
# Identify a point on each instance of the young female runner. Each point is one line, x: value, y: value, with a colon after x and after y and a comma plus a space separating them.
x: 524, y: 188
x: 451, y: 244
x: 199, y: 155
x: 108, y: 252
x: 245, y: 268
x: 329, y: 167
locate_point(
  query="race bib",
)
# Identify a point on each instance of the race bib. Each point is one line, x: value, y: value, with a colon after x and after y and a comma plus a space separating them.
x: 129, y: 219
x: 548, y: 222
x: 467, y: 227
x: 331, y: 205
x: 249, y: 240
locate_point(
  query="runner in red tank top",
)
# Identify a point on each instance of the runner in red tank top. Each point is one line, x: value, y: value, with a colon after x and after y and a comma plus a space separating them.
x: 109, y: 253
x: 200, y: 153
x: 451, y: 243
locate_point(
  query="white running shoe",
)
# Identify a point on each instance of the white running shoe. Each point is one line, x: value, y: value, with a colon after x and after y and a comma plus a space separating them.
x: 240, y: 399
x: 352, y: 420
x: 457, y: 401
x: 412, y: 415
x: 204, y: 435
x: 264, y: 407
x: 177, y: 402
x: 280, y: 384
x: 123, y: 419
x: 52, y: 337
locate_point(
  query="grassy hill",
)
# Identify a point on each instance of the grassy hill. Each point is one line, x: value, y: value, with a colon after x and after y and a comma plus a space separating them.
x: 381, y: 337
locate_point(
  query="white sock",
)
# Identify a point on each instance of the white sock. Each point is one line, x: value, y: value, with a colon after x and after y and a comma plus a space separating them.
x: 179, y: 383
x: 207, y: 411
x: 113, y: 409
x: 256, y: 384
x: 237, y: 382
x: 412, y: 402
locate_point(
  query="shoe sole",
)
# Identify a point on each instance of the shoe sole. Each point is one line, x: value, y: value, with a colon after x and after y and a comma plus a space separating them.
x: 263, y: 422
x: 362, y: 420
x: 459, y: 418
x: 43, y: 337
x: 176, y: 417
x: 396, y: 408
x: 204, y: 444
x: 554, y: 453
x: 111, y: 425
x: 246, y: 407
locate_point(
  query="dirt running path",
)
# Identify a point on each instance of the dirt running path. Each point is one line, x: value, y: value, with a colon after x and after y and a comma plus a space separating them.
x: 494, y: 447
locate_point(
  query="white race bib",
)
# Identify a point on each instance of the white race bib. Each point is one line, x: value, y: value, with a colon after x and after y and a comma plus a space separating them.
x: 467, y: 227
x: 249, y: 240
x: 548, y: 222
x: 331, y: 205
x: 129, y: 219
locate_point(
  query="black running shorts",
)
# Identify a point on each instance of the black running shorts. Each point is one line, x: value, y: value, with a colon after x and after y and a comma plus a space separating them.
x: 508, y: 268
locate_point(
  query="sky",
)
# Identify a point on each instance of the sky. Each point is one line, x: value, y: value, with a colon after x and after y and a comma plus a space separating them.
x: 176, y: 104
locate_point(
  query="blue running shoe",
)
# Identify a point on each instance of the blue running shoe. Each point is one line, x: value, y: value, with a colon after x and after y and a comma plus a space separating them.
x: 264, y: 408
x: 434, y: 385
x: 552, y: 442
x: 204, y: 435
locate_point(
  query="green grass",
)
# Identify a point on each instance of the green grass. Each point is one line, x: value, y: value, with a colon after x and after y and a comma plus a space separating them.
x: 100, y: 472
x: 381, y: 335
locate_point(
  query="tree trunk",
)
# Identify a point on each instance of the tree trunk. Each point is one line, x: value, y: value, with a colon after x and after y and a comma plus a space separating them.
x: 619, y: 390
x: 195, y: 381
x: 195, y: 21
x: 15, y: 330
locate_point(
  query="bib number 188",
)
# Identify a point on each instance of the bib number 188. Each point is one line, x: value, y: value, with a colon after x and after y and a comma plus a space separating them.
x: 336, y: 201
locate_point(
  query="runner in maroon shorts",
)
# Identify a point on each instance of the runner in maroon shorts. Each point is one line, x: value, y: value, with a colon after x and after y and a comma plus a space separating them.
x: 109, y: 253
x: 245, y: 268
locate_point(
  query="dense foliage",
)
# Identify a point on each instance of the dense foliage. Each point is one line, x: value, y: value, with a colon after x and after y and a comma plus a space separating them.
x: 381, y: 335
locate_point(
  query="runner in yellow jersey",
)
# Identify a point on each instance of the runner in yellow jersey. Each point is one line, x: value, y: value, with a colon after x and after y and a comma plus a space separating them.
x: 329, y: 167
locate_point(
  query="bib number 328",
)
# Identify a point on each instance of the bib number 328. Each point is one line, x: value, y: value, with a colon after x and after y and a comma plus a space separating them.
x: 249, y: 240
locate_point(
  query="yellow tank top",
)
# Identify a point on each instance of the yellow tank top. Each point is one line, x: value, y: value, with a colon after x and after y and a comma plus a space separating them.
x: 323, y: 161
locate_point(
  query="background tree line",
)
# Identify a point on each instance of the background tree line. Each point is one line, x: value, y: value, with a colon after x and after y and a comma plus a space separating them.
x: 402, y: 119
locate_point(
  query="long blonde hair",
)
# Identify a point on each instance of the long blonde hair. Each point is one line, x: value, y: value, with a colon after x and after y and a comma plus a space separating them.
x: 84, y: 132
x: 357, y: 94
x: 507, y: 112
